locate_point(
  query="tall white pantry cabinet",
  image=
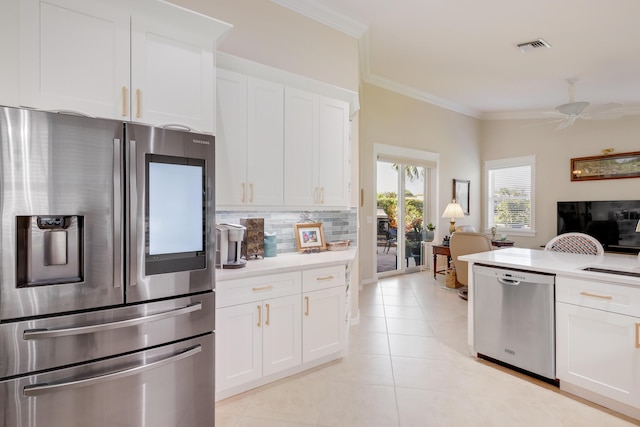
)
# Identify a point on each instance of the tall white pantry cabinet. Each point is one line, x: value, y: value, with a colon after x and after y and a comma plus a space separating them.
x: 143, y: 61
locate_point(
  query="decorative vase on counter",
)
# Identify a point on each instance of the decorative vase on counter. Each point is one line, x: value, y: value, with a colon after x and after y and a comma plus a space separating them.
x: 270, y: 245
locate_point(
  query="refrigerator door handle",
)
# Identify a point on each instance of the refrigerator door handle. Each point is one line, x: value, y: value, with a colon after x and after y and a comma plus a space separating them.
x: 117, y: 213
x: 132, y: 216
x: 35, y: 334
x: 39, y: 389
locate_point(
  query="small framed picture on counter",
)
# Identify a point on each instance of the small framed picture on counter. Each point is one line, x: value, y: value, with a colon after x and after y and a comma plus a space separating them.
x: 309, y: 236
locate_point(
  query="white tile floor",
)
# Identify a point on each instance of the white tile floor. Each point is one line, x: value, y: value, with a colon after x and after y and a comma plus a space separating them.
x: 407, y: 366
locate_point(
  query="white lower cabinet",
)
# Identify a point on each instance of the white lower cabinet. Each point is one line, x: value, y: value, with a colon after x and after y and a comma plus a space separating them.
x: 598, y: 340
x: 323, y: 323
x: 274, y: 325
x: 258, y: 328
x: 257, y: 339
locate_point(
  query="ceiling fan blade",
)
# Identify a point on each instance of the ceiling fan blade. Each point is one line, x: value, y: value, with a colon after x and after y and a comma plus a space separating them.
x: 566, y: 122
x: 548, y: 122
x: 604, y: 111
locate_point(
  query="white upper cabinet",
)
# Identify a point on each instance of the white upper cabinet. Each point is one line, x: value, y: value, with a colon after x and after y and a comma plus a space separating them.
x: 249, y: 143
x: 144, y: 61
x: 317, y: 168
x: 301, y: 142
x: 334, y: 152
x: 74, y: 55
x: 282, y: 140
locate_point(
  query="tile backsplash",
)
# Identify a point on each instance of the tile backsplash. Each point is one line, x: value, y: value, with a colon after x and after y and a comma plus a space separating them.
x: 337, y: 225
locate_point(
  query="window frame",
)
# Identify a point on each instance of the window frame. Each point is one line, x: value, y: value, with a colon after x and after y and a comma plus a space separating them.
x: 493, y: 165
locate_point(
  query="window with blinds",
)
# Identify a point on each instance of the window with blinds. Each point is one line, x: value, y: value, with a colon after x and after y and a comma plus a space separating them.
x: 510, y: 192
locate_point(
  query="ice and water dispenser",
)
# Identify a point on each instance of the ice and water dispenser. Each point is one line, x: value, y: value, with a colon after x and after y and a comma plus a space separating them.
x: 50, y: 249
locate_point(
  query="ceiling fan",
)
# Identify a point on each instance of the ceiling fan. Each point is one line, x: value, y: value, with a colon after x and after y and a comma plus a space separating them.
x: 574, y: 110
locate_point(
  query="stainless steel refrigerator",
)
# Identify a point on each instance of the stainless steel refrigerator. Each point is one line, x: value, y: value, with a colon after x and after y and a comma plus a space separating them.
x: 106, y: 273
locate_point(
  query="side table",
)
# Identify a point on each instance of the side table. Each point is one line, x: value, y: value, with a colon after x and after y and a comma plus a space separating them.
x: 440, y: 250
x: 502, y: 243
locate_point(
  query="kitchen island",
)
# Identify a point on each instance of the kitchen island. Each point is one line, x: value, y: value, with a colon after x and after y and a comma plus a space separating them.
x: 597, y: 320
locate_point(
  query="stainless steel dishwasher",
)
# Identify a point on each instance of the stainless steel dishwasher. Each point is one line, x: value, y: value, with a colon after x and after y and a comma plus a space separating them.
x: 514, y: 318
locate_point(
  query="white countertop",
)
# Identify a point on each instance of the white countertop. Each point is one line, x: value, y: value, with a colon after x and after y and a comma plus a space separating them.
x: 286, y: 262
x: 564, y: 264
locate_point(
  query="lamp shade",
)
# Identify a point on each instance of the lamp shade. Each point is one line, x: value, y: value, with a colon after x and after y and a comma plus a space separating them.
x: 453, y: 210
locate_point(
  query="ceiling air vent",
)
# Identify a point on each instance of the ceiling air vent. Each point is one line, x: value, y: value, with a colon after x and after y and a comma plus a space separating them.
x: 535, y: 44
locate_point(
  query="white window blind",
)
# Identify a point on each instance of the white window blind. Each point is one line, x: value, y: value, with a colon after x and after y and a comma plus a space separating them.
x: 510, y: 191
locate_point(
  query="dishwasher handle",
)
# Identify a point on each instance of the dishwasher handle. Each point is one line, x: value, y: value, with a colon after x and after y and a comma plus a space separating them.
x: 506, y: 281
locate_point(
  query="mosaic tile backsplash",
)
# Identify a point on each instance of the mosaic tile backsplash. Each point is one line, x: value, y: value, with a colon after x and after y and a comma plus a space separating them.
x: 337, y: 225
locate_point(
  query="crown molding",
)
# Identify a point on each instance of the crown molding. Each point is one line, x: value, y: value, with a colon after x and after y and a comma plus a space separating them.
x: 412, y: 92
x: 631, y: 110
x: 314, y: 10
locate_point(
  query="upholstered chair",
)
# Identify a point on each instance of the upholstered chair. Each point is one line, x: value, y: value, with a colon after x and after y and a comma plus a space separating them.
x: 464, y: 243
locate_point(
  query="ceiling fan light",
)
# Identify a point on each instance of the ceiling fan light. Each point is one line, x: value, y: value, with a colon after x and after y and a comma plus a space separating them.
x: 572, y: 108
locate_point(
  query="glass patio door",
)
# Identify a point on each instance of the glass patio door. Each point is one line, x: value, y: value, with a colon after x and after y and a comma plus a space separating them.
x: 401, y: 215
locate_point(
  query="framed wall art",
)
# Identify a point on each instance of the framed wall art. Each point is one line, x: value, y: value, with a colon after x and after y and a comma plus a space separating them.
x: 309, y: 237
x: 609, y: 166
x: 461, y: 194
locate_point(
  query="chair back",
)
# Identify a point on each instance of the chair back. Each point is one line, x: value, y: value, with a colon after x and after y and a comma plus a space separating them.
x: 464, y: 243
x: 575, y: 243
x: 466, y: 228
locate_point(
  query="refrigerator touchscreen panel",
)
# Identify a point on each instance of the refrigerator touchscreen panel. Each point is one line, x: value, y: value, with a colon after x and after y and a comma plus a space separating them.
x: 175, y: 222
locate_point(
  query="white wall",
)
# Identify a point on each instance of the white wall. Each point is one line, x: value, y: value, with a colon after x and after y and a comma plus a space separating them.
x: 553, y: 151
x: 392, y: 119
x: 269, y: 34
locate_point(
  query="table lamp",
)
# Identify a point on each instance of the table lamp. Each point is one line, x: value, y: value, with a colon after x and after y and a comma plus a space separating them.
x: 453, y: 211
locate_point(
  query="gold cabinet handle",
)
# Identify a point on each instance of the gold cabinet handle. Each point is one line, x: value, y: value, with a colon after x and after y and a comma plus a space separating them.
x: 259, y: 315
x: 268, y: 315
x: 306, y: 302
x: 244, y: 192
x: 587, y: 294
x: 322, y: 195
x: 637, y: 335
x: 124, y: 101
x: 251, y: 192
x: 138, y: 99
x: 262, y: 288
x: 320, y: 279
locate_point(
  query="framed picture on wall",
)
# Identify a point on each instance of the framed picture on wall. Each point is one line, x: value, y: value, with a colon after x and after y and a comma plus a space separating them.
x: 461, y: 194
